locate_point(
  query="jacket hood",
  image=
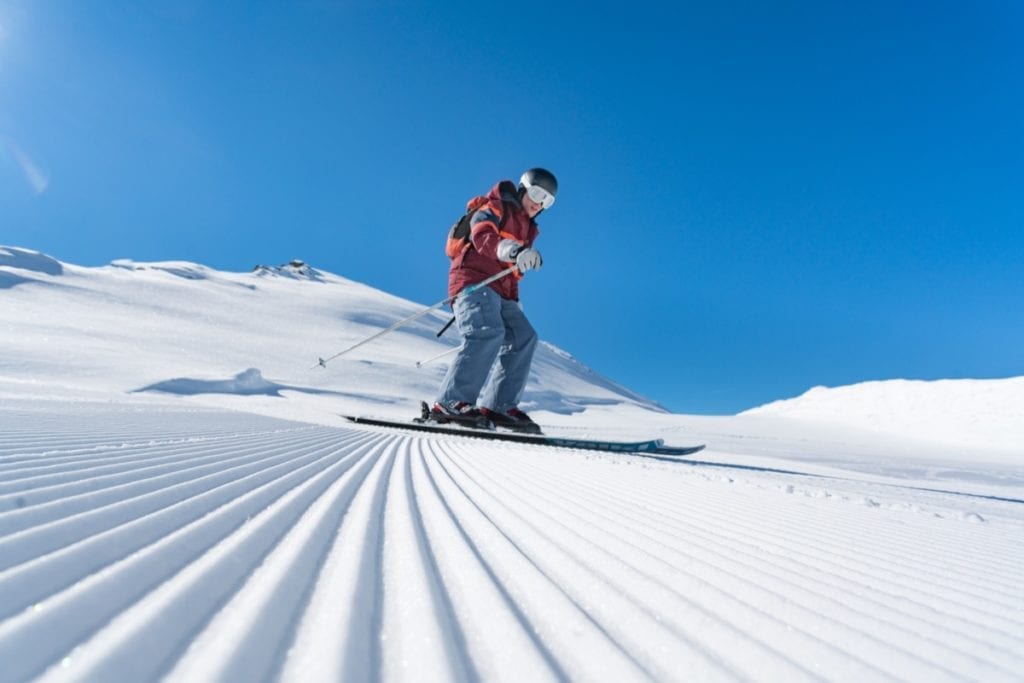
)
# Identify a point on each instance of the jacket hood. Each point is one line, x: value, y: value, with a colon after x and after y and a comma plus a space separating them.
x: 506, y: 191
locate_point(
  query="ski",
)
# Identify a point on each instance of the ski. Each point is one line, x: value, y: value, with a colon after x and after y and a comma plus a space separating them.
x: 650, y: 447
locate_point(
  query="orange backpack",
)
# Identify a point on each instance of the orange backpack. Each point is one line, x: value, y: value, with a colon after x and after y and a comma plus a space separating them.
x: 458, y: 235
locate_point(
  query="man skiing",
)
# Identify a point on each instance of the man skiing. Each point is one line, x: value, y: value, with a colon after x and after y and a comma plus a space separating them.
x: 490, y: 319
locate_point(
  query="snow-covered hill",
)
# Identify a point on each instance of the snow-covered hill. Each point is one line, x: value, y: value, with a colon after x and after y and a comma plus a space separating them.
x: 179, y: 500
x: 979, y: 414
x: 184, y: 328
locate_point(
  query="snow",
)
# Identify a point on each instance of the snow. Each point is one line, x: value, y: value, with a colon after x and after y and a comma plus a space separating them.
x: 181, y: 500
x: 971, y: 413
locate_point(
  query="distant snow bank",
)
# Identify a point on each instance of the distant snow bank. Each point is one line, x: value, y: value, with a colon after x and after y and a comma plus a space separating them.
x: 968, y: 412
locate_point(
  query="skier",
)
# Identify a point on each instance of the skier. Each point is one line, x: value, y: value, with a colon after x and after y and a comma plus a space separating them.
x: 491, y: 319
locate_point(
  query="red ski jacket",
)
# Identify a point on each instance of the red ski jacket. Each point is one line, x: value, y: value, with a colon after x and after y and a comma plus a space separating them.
x: 479, y: 260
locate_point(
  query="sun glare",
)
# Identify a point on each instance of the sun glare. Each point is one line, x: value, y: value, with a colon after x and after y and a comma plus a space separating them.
x: 34, y: 176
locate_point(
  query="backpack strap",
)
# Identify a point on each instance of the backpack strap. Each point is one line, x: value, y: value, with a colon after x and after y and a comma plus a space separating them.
x: 459, y: 241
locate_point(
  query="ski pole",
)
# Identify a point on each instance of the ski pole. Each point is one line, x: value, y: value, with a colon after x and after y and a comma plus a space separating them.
x: 421, y: 363
x: 322, y: 362
x: 445, y: 328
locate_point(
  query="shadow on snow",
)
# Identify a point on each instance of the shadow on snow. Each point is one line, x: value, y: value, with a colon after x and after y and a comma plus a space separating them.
x: 248, y: 383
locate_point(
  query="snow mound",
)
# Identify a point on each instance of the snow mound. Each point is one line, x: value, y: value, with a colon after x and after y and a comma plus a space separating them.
x: 182, y: 269
x: 246, y: 383
x: 17, y: 266
x: 968, y: 412
x: 26, y: 259
x: 293, y: 270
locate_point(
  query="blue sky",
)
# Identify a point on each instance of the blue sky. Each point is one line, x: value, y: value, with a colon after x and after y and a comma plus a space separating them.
x: 756, y: 198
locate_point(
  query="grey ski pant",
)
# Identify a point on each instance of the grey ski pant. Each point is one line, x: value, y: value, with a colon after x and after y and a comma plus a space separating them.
x: 492, y: 328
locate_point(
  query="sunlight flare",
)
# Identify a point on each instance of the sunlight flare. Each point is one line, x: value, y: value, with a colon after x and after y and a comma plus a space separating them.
x: 35, y: 177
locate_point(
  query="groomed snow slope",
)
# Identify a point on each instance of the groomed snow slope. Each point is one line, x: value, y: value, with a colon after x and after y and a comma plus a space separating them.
x: 195, y: 544
x: 167, y: 514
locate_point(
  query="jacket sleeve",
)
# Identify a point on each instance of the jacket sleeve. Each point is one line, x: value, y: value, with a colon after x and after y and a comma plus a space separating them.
x: 484, y: 231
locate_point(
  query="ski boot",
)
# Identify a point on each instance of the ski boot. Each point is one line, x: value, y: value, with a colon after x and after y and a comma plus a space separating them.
x: 512, y: 419
x: 462, y: 414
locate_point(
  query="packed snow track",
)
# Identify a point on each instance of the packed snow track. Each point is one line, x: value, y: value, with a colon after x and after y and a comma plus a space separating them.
x: 145, y: 542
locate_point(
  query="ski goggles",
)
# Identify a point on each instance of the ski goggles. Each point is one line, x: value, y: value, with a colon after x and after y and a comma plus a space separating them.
x: 541, y: 196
